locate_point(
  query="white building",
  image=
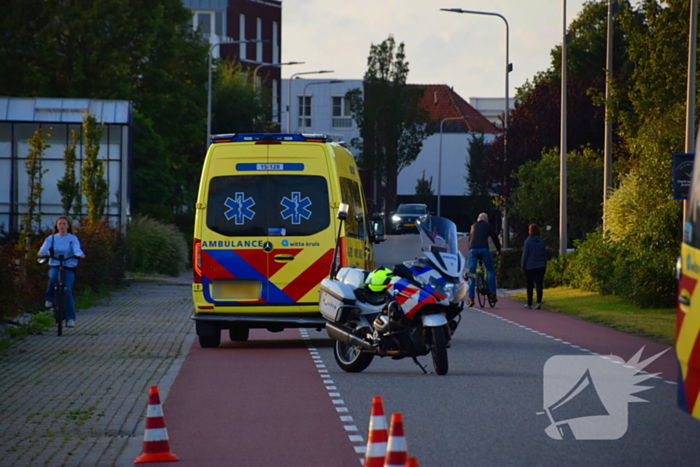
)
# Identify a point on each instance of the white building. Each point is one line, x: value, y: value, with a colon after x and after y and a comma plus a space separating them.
x: 319, y: 106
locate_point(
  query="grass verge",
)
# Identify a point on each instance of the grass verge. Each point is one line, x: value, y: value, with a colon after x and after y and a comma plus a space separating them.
x: 614, y: 312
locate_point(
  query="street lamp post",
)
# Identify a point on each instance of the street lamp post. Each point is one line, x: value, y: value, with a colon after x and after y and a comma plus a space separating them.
x: 289, y: 90
x: 509, y: 68
x: 276, y: 65
x: 440, y: 158
x: 562, y: 146
x: 303, y: 119
x: 227, y: 40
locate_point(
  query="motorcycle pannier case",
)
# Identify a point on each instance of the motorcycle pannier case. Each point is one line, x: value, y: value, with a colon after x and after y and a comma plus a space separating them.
x: 335, y: 297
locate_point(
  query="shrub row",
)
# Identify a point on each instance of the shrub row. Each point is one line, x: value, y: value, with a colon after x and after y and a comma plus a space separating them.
x: 641, y: 275
x: 154, y: 247
x: 23, y: 281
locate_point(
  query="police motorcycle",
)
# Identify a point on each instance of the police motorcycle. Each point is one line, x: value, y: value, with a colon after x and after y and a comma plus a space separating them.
x: 409, y: 311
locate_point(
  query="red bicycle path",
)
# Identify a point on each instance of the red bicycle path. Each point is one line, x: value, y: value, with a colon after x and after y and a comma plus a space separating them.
x: 253, y: 404
x: 263, y: 403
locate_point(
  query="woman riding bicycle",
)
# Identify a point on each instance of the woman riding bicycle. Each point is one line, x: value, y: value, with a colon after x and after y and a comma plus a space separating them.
x: 62, y: 242
x: 479, y: 247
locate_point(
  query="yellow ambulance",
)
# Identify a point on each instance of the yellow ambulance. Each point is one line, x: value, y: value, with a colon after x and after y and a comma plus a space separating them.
x: 266, y: 228
x: 688, y: 307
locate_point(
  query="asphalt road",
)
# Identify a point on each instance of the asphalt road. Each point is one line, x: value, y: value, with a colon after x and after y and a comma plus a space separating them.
x: 281, y: 395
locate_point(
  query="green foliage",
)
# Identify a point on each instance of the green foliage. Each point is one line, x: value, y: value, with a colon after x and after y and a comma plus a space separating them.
x: 536, y: 200
x: 105, y: 252
x: 92, y: 174
x: 68, y: 186
x: 152, y: 177
x: 236, y: 105
x: 33, y: 167
x: 424, y: 191
x: 153, y: 247
x: 145, y: 52
x: 476, y: 150
x: 508, y: 273
x: 392, y: 124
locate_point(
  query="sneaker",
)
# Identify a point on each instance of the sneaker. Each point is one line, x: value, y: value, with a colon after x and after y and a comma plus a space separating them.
x: 470, y: 303
x: 539, y: 305
x: 70, y: 323
x: 48, y: 304
x: 527, y: 306
x: 493, y: 297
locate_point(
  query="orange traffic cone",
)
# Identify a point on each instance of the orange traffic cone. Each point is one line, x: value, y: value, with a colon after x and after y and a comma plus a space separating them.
x: 412, y: 462
x: 156, y: 447
x: 377, y: 437
x: 396, y: 449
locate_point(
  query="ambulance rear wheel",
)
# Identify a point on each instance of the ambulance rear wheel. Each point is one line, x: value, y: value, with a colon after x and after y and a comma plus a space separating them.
x: 350, y: 358
x: 238, y: 333
x: 209, y: 334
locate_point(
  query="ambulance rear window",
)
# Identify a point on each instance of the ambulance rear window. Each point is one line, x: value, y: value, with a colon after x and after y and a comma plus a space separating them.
x: 256, y: 205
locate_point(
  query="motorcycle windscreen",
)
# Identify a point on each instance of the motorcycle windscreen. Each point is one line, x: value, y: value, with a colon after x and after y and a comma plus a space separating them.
x: 438, y: 234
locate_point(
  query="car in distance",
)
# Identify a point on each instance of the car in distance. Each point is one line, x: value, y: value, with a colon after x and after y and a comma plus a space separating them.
x: 404, y: 219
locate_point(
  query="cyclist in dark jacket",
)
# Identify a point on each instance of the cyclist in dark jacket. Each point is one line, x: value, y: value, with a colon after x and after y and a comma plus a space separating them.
x: 479, y: 247
x: 534, y: 262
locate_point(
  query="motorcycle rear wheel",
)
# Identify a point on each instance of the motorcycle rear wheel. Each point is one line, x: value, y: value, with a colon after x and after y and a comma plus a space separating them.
x: 350, y: 358
x: 439, y: 349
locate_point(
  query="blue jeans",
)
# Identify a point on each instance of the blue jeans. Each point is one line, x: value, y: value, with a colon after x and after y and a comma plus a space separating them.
x: 68, y: 279
x: 485, y: 255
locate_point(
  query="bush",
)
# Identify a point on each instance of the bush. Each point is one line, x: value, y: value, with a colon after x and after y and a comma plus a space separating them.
x: 508, y: 273
x: 154, y: 247
x: 104, y: 262
x: 23, y: 284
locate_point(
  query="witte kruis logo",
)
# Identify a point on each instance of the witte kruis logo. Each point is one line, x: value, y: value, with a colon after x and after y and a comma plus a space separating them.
x: 586, y: 396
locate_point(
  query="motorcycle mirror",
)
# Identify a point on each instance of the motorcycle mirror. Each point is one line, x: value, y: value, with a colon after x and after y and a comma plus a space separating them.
x: 343, y: 211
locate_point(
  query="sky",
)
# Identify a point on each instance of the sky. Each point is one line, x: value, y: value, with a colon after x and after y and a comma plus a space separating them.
x: 465, y: 51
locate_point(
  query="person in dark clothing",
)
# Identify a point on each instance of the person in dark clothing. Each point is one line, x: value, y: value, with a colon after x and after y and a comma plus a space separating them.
x: 534, y: 263
x: 479, y: 247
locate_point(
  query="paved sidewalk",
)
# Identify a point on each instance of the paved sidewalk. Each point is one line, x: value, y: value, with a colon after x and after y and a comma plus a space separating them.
x: 80, y: 399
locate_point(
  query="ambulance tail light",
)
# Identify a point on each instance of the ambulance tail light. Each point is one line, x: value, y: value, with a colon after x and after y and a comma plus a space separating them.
x: 197, y: 260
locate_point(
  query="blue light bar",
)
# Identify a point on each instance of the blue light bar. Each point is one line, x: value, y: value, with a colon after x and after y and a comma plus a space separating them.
x: 253, y: 137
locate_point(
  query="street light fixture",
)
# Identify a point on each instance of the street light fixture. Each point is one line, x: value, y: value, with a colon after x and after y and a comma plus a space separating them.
x: 289, y: 89
x: 227, y: 40
x: 509, y: 68
x: 276, y: 65
x: 303, y: 117
x: 440, y: 158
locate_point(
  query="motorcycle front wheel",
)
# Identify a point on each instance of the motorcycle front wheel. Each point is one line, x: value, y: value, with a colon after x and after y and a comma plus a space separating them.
x: 439, y: 349
x: 350, y: 358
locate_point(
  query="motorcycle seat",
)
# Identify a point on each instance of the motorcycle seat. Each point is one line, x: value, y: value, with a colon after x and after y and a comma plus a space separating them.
x: 367, y: 296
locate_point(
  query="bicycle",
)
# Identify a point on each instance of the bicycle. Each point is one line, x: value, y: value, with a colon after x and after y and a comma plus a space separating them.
x: 481, y: 279
x: 59, y: 291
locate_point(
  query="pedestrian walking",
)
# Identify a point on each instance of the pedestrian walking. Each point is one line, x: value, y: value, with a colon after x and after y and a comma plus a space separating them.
x: 534, y: 263
x: 62, y: 242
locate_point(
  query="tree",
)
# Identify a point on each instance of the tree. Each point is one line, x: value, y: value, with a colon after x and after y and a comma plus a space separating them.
x: 145, y: 52
x: 34, y: 170
x: 424, y: 191
x: 68, y: 186
x: 236, y: 106
x: 392, y: 124
x: 92, y: 173
x: 536, y: 199
x: 476, y: 183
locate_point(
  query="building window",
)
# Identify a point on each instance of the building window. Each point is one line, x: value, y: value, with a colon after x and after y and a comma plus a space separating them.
x: 242, y: 47
x: 342, y: 117
x: 275, y: 106
x: 304, y: 112
x: 258, y: 46
x: 275, y: 43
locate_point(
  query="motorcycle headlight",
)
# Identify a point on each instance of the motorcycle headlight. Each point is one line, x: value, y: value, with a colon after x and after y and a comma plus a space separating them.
x: 443, y: 288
